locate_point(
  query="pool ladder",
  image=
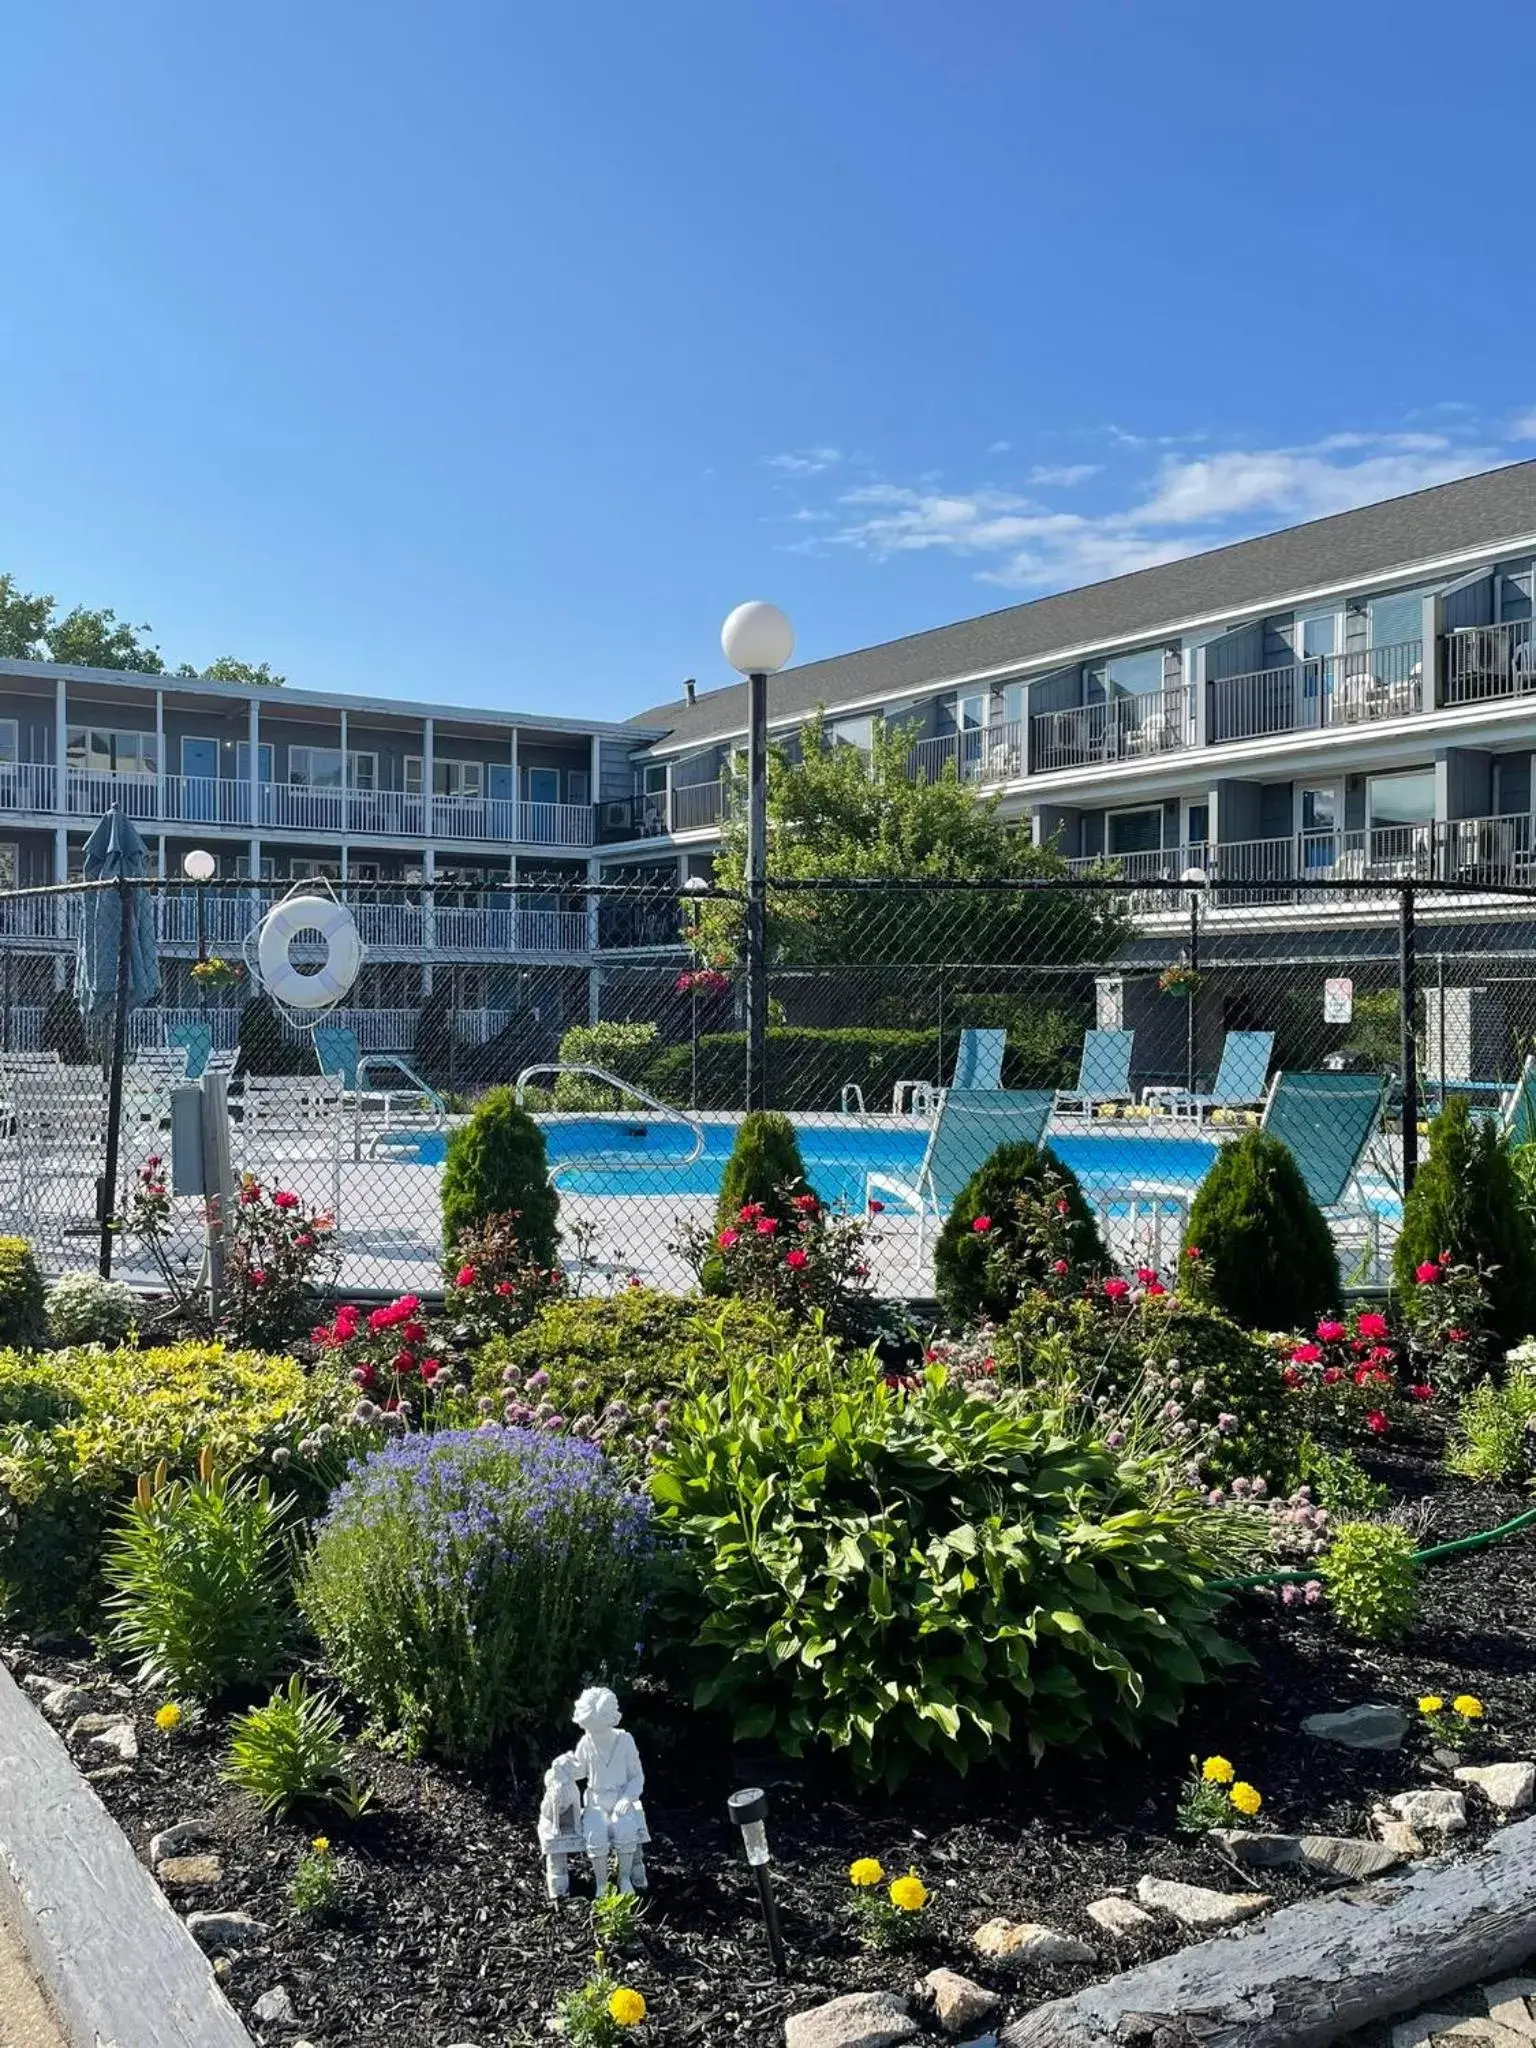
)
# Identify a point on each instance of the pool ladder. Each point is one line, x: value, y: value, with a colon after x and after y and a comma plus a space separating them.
x: 615, y: 1162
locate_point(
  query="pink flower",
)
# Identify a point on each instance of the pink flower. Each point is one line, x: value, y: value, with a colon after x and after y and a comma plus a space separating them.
x: 1426, y: 1274
x: 767, y: 1225
x: 1146, y: 1275
x: 304, y: 1242
x: 1332, y: 1376
x: 154, y: 1160
x: 1061, y: 1208
x: 726, y: 1239
x: 380, y: 1320
x: 749, y: 1211
x: 795, y: 1259
x: 1455, y: 1336
x: 1059, y: 1266
x: 981, y: 1224
x: 505, y: 1287
x: 1329, y: 1332
x: 465, y: 1277
x: 1377, y: 1423
x: 1370, y: 1324
x: 876, y: 1208
x: 284, y: 1198
x: 1291, y: 1377
x: 257, y: 1276
x: 1116, y: 1290
x: 1305, y: 1354
x: 1381, y: 1354
x: 806, y: 1204
x: 1422, y: 1393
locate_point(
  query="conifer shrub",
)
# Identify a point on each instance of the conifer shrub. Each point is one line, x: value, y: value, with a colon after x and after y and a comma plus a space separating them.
x: 496, y: 1165
x: 765, y: 1166
x: 264, y: 1047
x: 23, y: 1300
x: 1257, y: 1245
x: 63, y: 1030
x: 1465, y: 1200
x: 1006, y: 1230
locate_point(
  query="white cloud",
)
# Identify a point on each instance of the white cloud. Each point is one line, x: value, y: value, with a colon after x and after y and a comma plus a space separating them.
x: 1062, y: 475
x: 805, y: 461
x: 1295, y: 483
x: 999, y: 447
x: 1524, y: 428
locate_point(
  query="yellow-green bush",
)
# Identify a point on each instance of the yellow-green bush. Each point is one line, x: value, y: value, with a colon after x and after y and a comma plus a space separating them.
x: 78, y: 1426
x: 23, y: 1311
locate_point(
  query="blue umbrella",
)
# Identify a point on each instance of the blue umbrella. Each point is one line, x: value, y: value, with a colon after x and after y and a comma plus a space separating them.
x: 115, y: 852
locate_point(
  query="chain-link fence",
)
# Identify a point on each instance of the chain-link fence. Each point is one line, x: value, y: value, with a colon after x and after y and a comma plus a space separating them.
x: 912, y: 1029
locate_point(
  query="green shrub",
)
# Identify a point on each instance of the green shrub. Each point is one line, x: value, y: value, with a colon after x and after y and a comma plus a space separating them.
x: 927, y: 1575
x: 1371, y: 1580
x: 624, y: 1050
x: 468, y: 1584
x: 23, y: 1299
x: 1338, y: 1482
x: 1493, y: 1438
x: 199, y: 1589
x: 1465, y: 1200
x: 290, y: 1753
x: 1257, y: 1245
x: 83, y: 1308
x: 77, y: 1427
x: 63, y: 1030
x: 264, y: 1046
x: 1180, y: 1350
x: 496, y: 1165
x: 984, y: 1273
x: 764, y: 1166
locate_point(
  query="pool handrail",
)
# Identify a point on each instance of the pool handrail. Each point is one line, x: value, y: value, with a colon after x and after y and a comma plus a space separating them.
x: 611, y: 1163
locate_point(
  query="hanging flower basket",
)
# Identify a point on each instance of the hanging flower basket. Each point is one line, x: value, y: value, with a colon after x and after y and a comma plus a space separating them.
x: 1179, y: 980
x: 215, y: 973
x: 703, y: 981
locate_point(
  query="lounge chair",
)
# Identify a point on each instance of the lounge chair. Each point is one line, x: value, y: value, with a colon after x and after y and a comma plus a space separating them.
x: 1239, y: 1084
x: 196, y: 1040
x: 967, y: 1130
x: 1103, y: 1074
x: 399, y: 1106
x: 978, y: 1065
x: 1517, y: 1120
x: 293, y: 1120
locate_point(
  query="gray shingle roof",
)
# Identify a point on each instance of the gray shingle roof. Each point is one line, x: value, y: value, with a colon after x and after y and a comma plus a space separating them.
x: 1248, y: 575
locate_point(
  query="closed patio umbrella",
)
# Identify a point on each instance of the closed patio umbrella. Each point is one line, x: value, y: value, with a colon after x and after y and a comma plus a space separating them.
x: 117, y: 954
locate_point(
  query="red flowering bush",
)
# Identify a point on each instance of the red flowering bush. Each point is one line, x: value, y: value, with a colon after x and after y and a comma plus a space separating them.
x: 1349, y: 1377
x: 1020, y: 1222
x: 278, y: 1256
x: 494, y: 1284
x: 817, y: 1259
x: 702, y: 981
x: 390, y: 1355
x: 1448, y: 1315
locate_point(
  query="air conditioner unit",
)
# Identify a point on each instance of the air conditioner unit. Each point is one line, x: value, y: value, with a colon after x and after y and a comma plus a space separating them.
x: 616, y: 813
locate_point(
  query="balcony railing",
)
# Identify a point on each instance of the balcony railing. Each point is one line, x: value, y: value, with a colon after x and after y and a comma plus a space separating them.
x: 1483, y: 662
x: 697, y: 805
x: 1327, y: 691
x: 1123, y: 729
x: 985, y: 754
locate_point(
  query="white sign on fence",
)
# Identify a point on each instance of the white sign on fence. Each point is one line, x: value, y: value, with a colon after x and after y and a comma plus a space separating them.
x: 1338, y: 1001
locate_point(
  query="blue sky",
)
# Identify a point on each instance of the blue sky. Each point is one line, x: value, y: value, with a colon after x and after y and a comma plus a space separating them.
x: 489, y: 352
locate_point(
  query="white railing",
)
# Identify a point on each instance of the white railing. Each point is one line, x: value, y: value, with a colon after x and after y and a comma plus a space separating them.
x: 697, y: 805
x: 375, y: 1030
x: 1124, y: 728
x: 91, y: 795
x: 1327, y: 691
x: 986, y: 754
x: 1490, y: 661
x: 555, y: 824
x: 26, y: 786
x: 479, y: 1027
x: 153, y: 1027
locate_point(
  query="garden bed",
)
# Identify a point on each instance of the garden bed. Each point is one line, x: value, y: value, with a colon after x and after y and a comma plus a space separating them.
x: 445, y: 1935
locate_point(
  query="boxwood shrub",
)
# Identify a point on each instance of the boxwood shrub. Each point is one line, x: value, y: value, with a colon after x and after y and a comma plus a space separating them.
x: 1465, y: 1200
x: 497, y: 1165
x: 902, y: 1576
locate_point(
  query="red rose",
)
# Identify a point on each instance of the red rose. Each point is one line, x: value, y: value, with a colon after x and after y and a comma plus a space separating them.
x: 1377, y: 1423
x: 795, y: 1259
x: 257, y: 1277
x: 283, y: 1198
x: 1192, y: 1251
x: 749, y: 1212
x: 414, y: 1332
x: 726, y: 1239
x: 1146, y: 1275
x: 767, y: 1225
x: 807, y: 1204
x: 1117, y: 1290
x: 1059, y: 1266
x: 303, y: 1242
x: 982, y: 1224
x: 505, y: 1287
x: 1426, y: 1274
x: 1154, y: 1289
x: 1370, y: 1324
x: 876, y: 1208
x: 1456, y: 1336
x: 1306, y: 1354
x: 431, y: 1367
x: 1422, y: 1393
x: 405, y: 1361
x: 1329, y: 1332
x: 1332, y: 1376
x: 1061, y: 1208
x: 1291, y: 1377
x: 465, y: 1277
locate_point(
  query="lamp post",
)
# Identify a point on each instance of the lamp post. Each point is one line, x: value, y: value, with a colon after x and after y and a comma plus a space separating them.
x: 748, y: 1810
x: 198, y: 867
x: 1197, y: 880
x: 757, y: 641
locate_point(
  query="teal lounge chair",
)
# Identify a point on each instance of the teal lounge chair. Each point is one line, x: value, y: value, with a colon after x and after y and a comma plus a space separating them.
x: 196, y: 1040
x: 407, y: 1104
x: 1240, y: 1079
x: 978, y: 1064
x: 969, y: 1127
x: 1518, y: 1118
x: 1103, y: 1074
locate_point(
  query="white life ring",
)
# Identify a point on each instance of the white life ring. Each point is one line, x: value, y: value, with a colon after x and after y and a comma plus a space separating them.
x: 343, y: 951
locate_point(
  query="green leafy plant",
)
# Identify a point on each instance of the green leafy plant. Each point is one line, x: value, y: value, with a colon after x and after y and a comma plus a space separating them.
x: 601, y: 2012
x: 1462, y: 1725
x: 1465, y: 1201
x: 200, y: 1596
x: 885, y: 1916
x: 815, y: 1265
x: 624, y: 1050
x: 315, y: 1881
x: 83, y: 1308
x: 1213, y: 1796
x: 23, y: 1299
x: 264, y: 1046
x: 494, y: 1287
x: 1257, y: 1245
x: 1449, y: 1317
x: 924, y: 1573
x: 63, y: 1030
x: 1338, y: 1482
x: 496, y: 1165
x: 290, y: 1753
x: 1371, y: 1580
x: 466, y: 1584
x: 764, y: 1170
x: 615, y: 1918
x: 1019, y: 1222
x: 1495, y: 1427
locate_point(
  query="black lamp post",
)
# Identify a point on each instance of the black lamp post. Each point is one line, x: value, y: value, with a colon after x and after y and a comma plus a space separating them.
x: 757, y: 640
x: 749, y: 1809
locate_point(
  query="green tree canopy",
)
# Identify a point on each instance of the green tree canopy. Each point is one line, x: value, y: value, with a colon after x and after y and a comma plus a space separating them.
x: 31, y: 629
x: 837, y: 813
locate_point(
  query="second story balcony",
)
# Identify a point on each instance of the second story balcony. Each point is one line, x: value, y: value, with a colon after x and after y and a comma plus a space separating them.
x: 1125, y: 728
x: 1325, y: 692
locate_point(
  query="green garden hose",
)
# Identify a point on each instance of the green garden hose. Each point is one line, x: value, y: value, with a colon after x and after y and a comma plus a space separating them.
x: 1298, y: 1576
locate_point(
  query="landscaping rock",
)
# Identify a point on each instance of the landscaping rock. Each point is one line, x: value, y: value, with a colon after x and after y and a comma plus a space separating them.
x: 89, y: 1725
x: 179, y: 1840
x: 861, y: 2019
x: 118, y: 1738
x: 226, y: 1930
x: 1507, y: 2003
x: 109, y: 1774
x: 1025, y: 1941
x: 1431, y: 1812
x: 1343, y: 1857
x: 1258, y: 1851
x: 186, y: 1873
x: 1193, y: 1906
x: 1422, y: 2028
x: 1374, y: 1726
x: 1509, y: 1787
x: 1120, y: 1918
x: 39, y: 1684
x: 274, y: 2008
x: 66, y: 1702
x: 1397, y: 1834
x: 957, y: 2002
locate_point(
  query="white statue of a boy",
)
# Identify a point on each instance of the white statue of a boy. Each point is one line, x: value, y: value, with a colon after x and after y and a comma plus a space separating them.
x: 612, y: 1819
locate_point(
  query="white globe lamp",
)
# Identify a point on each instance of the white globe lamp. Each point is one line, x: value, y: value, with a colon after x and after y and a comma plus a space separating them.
x: 199, y: 864
x: 757, y: 639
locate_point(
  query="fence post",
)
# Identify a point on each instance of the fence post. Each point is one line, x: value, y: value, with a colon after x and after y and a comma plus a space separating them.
x: 106, y: 1193
x: 1407, y: 990
x: 757, y: 890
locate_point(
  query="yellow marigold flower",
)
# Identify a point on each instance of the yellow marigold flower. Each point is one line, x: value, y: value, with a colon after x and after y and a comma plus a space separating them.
x: 626, y: 2007
x: 1468, y: 1706
x: 1217, y: 1771
x: 866, y: 1871
x: 168, y: 1716
x: 1245, y: 1797
x: 909, y: 1893
x: 1431, y: 1703
x: 321, y: 1845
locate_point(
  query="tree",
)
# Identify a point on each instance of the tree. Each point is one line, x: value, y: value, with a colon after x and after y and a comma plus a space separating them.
x: 24, y: 620
x: 1256, y: 1245
x: 839, y: 814
x: 31, y: 630
x: 87, y: 639
x: 227, y: 670
x: 1465, y: 1201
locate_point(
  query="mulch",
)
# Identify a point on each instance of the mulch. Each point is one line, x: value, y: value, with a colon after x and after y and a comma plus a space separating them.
x: 445, y: 1935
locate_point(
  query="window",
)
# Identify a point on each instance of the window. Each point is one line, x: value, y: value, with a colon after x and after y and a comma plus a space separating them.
x: 1318, y: 635
x: 655, y: 778
x: 1406, y: 799
x: 1319, y: 810
x: 1134, y: 675
x: 320, y: 768
x: 852, y: 732
x: 1197, y: 824
x: 10, y: 747
x: 7, y: 864
x: 98, y: 750
x: 301, y: 869
x: 578, y: 785
x: 243, y: 761
x: 1135, y: 831
x: 1396, y: 620
x: 970, y: 714
x: 462, y: 779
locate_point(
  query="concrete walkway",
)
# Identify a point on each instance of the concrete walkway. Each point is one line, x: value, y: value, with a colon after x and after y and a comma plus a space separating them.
x: 24, y: 2018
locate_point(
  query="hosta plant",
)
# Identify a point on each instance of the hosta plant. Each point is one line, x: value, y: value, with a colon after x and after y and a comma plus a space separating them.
x: 904, y: 1573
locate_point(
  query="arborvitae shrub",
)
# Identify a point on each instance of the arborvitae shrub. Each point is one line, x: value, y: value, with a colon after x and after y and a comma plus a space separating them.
x: 63, y: 1030
x: 496, y: 1165
x: 1465, y: 1201
x: 1265, y: 1253
x: 985, y: 1273
x: 23, y: 1301
x: 264, y: 1047
x: 765, y: 1166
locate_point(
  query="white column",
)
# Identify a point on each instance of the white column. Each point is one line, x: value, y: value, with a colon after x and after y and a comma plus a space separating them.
x: 517, y: 796
x: 346, y: 791
x: 60, y: 747
x: 61, y: 853
x: 428, y: 877
x: 594, y: 788
x: 160, y: 765
x: 428, y: 775
x: 253, y: 770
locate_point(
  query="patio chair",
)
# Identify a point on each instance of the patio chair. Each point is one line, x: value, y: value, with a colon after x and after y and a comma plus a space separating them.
x: 1103, y: 1074
x: 1517, y: 1119
x: 1240, y: 1081
x: 60, y: 1134
x: 292, y: 1120
x: 967, y: 1130
x: 196, y: 1041
x: 978, y: 1065
x: 337, y: 1054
